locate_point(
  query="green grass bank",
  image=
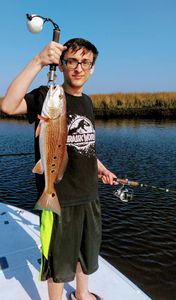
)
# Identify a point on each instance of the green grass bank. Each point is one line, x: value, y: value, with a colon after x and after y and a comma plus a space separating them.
x: 137, y: 105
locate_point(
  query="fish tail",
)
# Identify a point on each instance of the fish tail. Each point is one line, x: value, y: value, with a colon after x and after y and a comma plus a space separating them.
x: 49, y: 202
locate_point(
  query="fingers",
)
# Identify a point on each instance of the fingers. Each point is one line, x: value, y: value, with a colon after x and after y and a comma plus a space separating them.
x: 109, y: 178
x: 54, y: 52
x: 51, y: 53
x: 112, y: 178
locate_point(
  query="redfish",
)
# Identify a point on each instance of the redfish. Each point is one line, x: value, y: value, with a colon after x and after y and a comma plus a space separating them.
x: 52, y: 132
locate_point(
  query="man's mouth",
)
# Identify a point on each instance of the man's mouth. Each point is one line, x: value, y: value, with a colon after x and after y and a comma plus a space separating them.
x: 77, y: 77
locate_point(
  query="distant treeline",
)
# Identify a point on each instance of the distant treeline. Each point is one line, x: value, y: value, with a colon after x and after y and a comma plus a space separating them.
x: 138, y: 105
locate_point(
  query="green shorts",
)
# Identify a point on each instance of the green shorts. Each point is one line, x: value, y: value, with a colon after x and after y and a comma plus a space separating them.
x: 74, y: 238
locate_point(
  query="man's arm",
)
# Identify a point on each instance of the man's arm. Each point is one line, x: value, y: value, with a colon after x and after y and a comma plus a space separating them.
x: 104, y: 174
x: 13, y: 102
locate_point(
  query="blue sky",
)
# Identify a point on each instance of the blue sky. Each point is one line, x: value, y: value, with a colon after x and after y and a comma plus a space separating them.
x: 136, y: 41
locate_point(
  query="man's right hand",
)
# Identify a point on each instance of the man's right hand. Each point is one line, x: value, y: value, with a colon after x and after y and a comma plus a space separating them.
x: 51, y: 54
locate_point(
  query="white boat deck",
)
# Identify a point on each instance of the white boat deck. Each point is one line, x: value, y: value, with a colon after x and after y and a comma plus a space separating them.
x: 19, y: 264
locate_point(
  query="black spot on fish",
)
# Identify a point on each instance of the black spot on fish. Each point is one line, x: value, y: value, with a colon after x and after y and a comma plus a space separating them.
x: 59, y: 146
x: 52, y: 171
x: 53, y: 165
x: 53, y: 195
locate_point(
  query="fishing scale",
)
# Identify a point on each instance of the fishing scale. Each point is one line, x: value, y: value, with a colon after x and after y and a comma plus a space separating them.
x: 35, y: 25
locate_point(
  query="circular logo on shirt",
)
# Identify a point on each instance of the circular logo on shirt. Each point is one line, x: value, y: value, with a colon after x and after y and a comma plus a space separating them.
x: 81, y: 134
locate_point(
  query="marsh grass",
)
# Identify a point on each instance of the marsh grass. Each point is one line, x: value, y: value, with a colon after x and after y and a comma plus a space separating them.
x: 148, y: 105
x: 161, y: 104
x: 135, y: 100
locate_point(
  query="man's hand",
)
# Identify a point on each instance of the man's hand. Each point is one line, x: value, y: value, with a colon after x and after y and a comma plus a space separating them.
x: 51, y: 54
x: 105, y: 175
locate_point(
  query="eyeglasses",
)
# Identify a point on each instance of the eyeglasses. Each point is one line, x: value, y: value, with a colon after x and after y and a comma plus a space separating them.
x: 72, y: 64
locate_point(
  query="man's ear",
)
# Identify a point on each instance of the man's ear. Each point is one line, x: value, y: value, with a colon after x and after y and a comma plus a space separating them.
x: 60, y: 66
x: 92, y: 70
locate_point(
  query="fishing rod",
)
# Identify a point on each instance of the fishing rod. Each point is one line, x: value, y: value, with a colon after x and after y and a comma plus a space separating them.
x: 35, y: 25
x: 124, y: 192
x: 16, y: 154
x: 126, y: 189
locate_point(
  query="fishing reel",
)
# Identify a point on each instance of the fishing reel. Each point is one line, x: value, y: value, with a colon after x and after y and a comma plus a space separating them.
x: 124, y: 193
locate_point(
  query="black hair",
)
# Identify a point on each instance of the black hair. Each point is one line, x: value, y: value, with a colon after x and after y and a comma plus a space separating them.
x: 79, y: 43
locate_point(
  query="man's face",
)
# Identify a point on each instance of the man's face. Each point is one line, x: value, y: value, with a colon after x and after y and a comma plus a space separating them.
x: 75, y: 75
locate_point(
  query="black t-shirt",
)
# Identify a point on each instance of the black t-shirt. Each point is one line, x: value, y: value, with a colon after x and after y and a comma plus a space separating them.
x: 80, y: 181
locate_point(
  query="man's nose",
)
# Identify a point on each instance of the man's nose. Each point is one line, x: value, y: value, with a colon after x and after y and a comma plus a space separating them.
x: 79, y: 67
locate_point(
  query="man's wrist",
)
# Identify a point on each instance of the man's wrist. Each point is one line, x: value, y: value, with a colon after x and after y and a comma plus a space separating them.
x: 37, y: 60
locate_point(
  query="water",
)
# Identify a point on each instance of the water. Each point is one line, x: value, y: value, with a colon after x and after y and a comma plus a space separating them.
x: 139, y: 237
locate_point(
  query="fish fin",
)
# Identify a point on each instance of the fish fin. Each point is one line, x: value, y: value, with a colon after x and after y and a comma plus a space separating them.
x: 37, y: 132
x: 38, y: 168
x: 42, y: 118
x: 49, y: 202
x: 62, y: 167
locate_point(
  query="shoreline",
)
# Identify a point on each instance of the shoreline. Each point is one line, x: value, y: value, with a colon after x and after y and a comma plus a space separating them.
x: 132, y: 113
x: 159, y: 105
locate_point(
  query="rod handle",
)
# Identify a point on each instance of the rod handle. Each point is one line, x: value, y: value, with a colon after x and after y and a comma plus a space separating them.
x: 56, y: 36
x: 127, y: 182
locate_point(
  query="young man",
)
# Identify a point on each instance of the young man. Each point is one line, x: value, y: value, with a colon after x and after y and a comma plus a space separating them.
x: 76, y: 250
